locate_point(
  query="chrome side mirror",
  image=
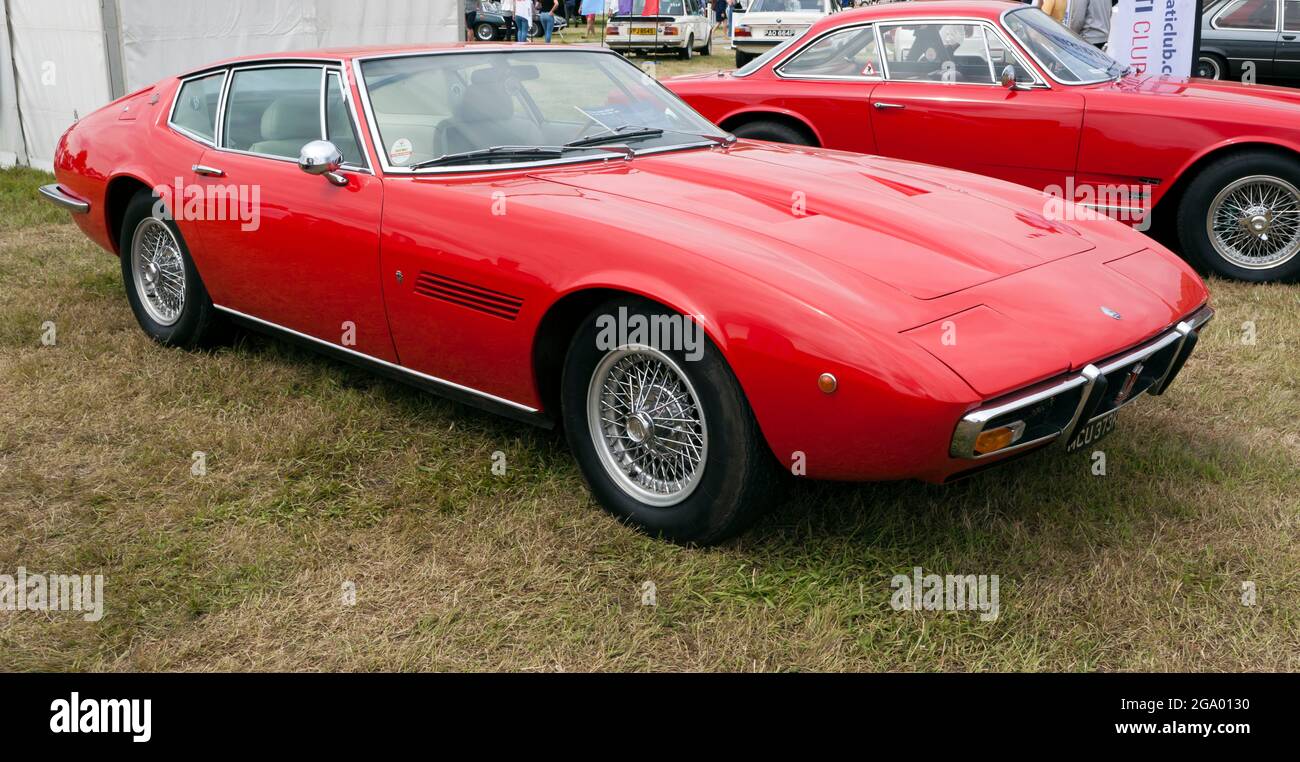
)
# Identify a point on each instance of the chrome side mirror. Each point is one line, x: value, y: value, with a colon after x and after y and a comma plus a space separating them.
x: 321, y: 157
x: 1008, y: 78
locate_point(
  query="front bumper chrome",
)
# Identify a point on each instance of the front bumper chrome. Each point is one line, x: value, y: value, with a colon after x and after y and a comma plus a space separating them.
x: 1066, y: 405
x: 58, y: 196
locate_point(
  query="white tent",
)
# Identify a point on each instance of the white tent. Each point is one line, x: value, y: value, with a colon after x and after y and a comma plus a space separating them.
x: 60, y: 59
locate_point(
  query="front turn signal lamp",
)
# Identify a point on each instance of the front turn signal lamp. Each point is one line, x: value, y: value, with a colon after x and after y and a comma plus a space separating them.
x: 1000, y: 438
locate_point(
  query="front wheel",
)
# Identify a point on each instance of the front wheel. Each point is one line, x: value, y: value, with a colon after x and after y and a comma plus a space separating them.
x: 773, y: 131
x: 1240, y: 217
x: 485, y: 32
x: 163, y: 287
x: 664, y: 435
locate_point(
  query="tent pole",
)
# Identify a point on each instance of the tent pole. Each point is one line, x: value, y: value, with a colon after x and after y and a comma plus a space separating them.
x: 112, y: 20
x: 24, y: 158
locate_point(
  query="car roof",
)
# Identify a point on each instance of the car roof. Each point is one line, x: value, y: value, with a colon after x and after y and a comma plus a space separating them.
x: 348, y: 54
x: 984, y: 9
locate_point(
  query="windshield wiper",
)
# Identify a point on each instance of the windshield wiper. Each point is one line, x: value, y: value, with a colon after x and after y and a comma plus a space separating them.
x: 495, y: 152
x: 618, y: 133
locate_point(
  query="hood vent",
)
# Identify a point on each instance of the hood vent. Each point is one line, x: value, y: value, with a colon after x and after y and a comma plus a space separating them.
x: 464, y: 294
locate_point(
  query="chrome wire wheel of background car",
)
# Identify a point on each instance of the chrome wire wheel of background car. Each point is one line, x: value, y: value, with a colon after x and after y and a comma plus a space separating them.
x: 484, y: 32
x: 647, y: 425
x: 159, y: 271
x: 1254, y: 222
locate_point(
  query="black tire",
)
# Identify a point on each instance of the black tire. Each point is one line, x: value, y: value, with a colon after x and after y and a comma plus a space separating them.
x: 708, y: 45
x: 1195, y: 207
x: 743, y: 58
x: 773, y: 131
x: 485, y: 32
x: 198, y: 322
x: 739, y: 476
x: 688, y: 50
x: 1211, y: 66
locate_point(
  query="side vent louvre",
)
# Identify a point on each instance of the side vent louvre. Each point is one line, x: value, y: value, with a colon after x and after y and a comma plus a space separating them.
x: 464, y: 294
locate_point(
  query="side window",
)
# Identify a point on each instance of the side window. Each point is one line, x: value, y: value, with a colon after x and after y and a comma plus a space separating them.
x: 273, y: 111
x: 1292, y: 22
x: 938, y: 53
x: 1248, y: 14
x: 338, y: 123
x: 847, y: 53
x: 1002, y: 57
x: 196, y: 106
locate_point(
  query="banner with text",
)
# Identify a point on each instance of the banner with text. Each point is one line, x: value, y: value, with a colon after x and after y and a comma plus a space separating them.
x: 1154, y: 36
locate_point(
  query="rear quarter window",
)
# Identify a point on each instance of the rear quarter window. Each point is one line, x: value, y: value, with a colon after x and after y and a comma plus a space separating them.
x: 196, y: 106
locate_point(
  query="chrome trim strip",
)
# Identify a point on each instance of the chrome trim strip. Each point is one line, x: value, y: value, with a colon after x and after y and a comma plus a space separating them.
x: 972, y: 424
x: 59, y: 197
x: 384, y: 363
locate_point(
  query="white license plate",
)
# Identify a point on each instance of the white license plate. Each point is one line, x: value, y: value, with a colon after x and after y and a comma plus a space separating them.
x: 779, y: 33
x: 1093, y: 432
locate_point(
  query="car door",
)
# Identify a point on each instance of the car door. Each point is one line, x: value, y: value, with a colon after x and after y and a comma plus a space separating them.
x: 303, y: 254
x: 1286, y: 63
x: 830, y: 81
x: 941, y: 103
x: 1253, y: 26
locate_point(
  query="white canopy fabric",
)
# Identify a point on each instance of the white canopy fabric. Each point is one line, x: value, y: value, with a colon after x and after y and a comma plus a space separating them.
x: 62, y: 59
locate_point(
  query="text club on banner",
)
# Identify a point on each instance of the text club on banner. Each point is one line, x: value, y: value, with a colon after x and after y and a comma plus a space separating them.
x: 1154, y: 36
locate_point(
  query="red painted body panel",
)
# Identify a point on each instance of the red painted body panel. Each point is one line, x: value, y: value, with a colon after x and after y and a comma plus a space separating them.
x: 1133, y: 131
x: 797, y: 261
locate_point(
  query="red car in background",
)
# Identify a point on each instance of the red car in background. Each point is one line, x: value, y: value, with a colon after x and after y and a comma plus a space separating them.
x: 1001, y: 89
x: 515, y: 227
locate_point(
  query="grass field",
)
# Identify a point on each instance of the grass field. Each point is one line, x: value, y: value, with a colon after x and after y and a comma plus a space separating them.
x: 321, y: 479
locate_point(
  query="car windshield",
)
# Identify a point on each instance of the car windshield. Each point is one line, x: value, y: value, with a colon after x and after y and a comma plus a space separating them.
x: 429, y: 107
x: 785, y: 6
x: 762, y: 60
x: 1065, y: 55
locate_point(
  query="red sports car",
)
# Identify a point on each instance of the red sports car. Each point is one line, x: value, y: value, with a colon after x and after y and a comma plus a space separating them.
x: 552, y: 235
x: 1003, y: 90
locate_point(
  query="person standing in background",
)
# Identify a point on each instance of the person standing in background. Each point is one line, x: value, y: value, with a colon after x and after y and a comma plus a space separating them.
x: 1090, y: 19
x: 589, y: 9
x: 523, y: 19
x: 1056, y: 9
x: 547, y: 18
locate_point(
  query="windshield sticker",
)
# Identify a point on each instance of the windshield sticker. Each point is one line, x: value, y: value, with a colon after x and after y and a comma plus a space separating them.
x: 401, y: 151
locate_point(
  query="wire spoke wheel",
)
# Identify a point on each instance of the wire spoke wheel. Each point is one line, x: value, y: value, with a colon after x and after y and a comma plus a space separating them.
x: 647, y: 425
x: 1254, y: 222
x: 159, y: 271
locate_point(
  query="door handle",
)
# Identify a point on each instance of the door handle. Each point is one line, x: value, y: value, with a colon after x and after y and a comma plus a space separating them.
x: 200, y: 169
x: 1288, y: 37
x: 882, y: 105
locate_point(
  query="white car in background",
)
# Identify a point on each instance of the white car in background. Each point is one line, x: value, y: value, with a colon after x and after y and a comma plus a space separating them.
x: 684, y: 26
x: 767, y: 23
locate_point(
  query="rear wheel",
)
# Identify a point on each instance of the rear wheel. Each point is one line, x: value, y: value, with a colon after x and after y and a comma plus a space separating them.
x: 1240, y: 217
x: 708, y: 44
x: 664, y: 437
x: 485, y: 32
x: 688, y: 50
x: 773, y: 131
x: 1210, y: 66
x: 165, y: 292
x: 743, y: 58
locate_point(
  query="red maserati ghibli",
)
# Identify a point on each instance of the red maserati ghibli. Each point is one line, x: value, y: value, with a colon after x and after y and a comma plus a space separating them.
x: 551, y: 235
x: 1003, y: 90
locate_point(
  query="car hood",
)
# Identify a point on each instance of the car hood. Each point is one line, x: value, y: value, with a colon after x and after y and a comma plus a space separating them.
x: 923, y: 230
x: 1222, y: 93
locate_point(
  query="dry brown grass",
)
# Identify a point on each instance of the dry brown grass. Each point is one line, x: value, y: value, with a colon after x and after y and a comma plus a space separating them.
x: 319, y: 474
